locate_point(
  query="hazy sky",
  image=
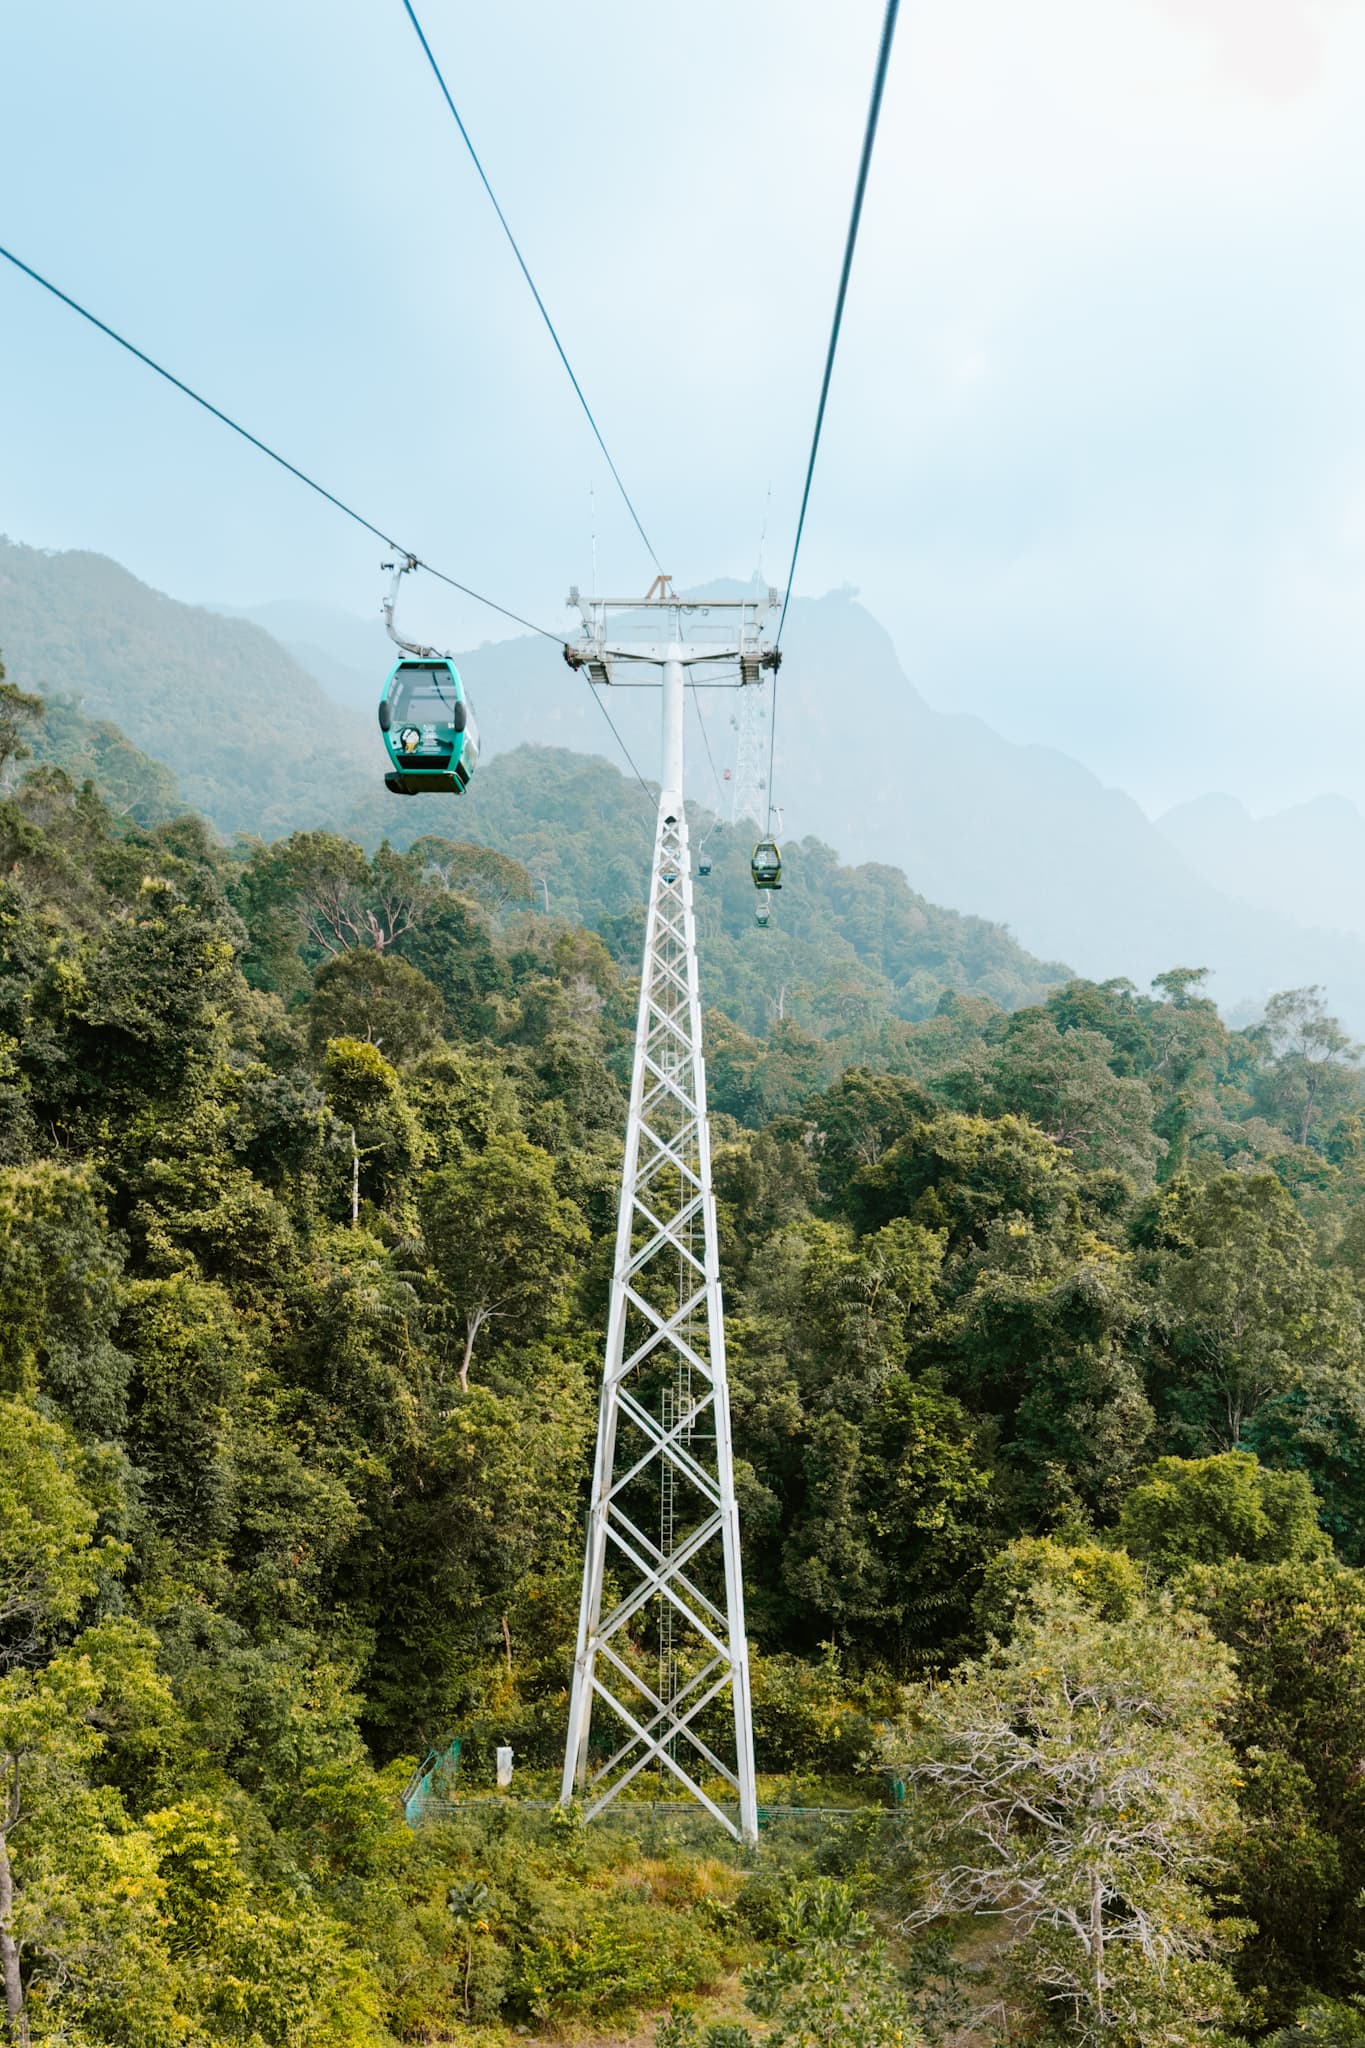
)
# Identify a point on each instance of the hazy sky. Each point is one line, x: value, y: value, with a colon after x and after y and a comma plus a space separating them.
x: 1096, y: 447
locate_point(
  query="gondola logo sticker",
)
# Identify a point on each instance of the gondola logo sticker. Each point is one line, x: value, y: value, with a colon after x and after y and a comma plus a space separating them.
x: 408, y: 739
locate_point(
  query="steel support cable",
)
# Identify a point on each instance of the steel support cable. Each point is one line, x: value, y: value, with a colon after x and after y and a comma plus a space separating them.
x: 304, y: 478
x: 850, y: 244
x: 649, y: 797
x: 430, y: 55
x: 265, y: 449
x: 711, y: 760
x: 705, y: 738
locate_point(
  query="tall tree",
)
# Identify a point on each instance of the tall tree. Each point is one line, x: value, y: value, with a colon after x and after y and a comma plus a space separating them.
x: 1253, y: 1321
x: 492, y: 879
x: 1312, y: 1068
x: 335, y: 897
x: 501, y: 1243
x: 1204, y: 1510
x: 19, y: 713
x: 385, y: 1141
x: 1297, y: 1630
x: 375, y: 996
x: 1064, y: 1082
x: 1082, y: 1791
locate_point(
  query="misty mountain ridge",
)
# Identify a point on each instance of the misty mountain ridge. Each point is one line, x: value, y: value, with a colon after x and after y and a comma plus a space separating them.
x: 341, y: 651
x: 858, y: 944
x: 1304, y: 862
x: 264, y: 737
x: 252, y: 739
x: 1024, y: 835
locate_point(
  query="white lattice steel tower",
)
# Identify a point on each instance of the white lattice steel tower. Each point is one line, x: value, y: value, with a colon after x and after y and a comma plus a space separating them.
x: 661, y: 1646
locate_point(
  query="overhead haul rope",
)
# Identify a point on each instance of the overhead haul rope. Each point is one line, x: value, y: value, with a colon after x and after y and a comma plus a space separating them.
x: 409, y: 10
x: 303, y: 477
x: 850, y: 244
x: 649, y: 798
x: 711, y: 762
x: 379, y: 532
x: 706, y: 740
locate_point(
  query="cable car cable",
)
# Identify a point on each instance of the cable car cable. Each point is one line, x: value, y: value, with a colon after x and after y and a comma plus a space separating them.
x: 705, y: 737
x: 706, y: 742
x: 410, y: 11
x: 649, y: 799
x: 851, y: 243
x: 265, y: 448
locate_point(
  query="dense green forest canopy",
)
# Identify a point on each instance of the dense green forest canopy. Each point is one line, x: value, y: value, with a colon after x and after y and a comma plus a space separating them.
x: 1045, y: 1324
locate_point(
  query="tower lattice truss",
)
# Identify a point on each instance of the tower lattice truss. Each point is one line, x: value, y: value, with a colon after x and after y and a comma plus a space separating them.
x: 750, y: 788
x: 661, y: 1677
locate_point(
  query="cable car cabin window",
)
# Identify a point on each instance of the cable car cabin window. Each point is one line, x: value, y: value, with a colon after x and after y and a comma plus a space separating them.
x: 426, y: 696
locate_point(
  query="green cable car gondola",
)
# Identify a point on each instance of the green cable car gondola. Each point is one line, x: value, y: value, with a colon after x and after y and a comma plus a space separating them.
x: 766, y: 865
x: 424, y: 712
x: 428, y: 727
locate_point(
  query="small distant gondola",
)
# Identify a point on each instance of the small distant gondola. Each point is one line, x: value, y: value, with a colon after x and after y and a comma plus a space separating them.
x: 428, y: 727
x: 766, y: 865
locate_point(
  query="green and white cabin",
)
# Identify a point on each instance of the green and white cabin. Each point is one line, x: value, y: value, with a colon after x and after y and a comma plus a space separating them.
x: 429, y: 728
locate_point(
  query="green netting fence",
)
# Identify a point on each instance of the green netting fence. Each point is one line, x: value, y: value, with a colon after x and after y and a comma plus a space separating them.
x: 432, y: 1785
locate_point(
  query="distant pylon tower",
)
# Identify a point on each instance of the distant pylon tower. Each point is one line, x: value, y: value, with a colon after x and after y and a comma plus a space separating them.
x: 667, y: 1660
x: 750, y: 788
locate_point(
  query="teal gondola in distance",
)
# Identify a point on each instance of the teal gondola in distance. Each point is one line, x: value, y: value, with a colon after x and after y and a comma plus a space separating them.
x: 428, y: 725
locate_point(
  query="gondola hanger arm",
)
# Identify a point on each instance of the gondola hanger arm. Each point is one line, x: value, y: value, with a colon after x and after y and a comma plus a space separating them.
x: 403, y: 565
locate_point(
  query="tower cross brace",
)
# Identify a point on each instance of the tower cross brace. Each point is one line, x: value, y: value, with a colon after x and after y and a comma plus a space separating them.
x: 662, y: 1660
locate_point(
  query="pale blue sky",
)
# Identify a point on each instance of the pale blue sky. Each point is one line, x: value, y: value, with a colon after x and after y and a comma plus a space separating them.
x: 1096, y: 449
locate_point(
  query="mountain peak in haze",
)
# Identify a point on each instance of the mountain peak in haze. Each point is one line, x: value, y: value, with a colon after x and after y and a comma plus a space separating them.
x: 1303, y: 862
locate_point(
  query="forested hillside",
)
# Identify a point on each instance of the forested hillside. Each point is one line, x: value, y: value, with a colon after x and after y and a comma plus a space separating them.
x: 259, y: 741
x: 250, y: 737
x: 850, y: 952
x: 1048, y: 1365
x: 132, y: 784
